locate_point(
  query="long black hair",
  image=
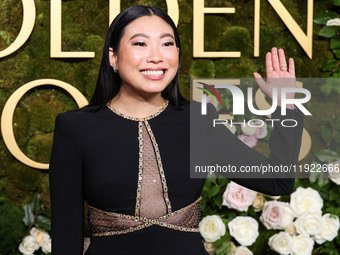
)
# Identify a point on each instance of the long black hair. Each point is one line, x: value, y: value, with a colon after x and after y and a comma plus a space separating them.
x: 108, y: 82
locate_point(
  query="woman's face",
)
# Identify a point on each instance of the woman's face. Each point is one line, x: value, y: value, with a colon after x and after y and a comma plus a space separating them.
x: 147, y: 59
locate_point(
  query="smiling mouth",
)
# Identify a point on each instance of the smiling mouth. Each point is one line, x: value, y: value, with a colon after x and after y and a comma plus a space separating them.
x: 154, y: 73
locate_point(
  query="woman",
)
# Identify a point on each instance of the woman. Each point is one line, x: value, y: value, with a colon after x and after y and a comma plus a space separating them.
x: 127, y: 153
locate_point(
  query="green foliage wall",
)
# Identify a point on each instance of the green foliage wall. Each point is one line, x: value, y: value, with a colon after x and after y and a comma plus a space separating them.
x: 84, y: 28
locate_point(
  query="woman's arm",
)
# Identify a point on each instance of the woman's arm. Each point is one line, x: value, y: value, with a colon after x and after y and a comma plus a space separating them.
x: 65, y: 175
x: 226, y: 149
x: 284, y: 142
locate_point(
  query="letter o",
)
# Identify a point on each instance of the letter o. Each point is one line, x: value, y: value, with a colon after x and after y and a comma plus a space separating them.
x: 8, y: 111
x: 26, y: 28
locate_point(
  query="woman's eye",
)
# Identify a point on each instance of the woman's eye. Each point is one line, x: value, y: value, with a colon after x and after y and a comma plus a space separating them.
x: 139, y: 44
x: 169, y: 44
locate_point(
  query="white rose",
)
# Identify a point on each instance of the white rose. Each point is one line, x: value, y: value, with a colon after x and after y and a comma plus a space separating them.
x: 329, y: 228
x: 334, y: 172
x: 232, y: 128
x: 309, y: 223
x: 212, y: 228
x: 242, y: 251
x: 244, y: 229
x: 303, y: 200
x: 333, y: 22
x: 29, y: 245
x: 281, y: 242
x: 258, y: 202
x: 249, y: 129
x: 46, y: 246
x: 302, y: 245
x: 276, y: 215
x: 274, y: 197
x: 290, y: 229
x: 40, y: 234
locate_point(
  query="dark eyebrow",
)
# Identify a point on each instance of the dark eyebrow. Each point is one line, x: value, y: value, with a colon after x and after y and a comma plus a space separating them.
x: 166, y: 35
x: 147, y: 36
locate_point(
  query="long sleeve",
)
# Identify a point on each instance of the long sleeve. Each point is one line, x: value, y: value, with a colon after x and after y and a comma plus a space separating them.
x: 65, y: 176
x: 284, y: 145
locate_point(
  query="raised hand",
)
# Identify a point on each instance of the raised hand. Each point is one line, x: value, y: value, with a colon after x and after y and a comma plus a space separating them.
x: 278, y: 74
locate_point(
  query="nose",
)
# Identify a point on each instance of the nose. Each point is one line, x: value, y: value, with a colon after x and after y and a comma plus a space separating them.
x: 154, y: 55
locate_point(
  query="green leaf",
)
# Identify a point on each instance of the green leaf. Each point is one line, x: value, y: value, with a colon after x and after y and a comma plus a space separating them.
x: 213, y: 191
x: 227, y: 103
x: 322, y: 181
x: 46, y: 212
x: 333, y: 196
x: 36, y: 204
x: 313, y: 177
x: 326, y: 134
x: 330, y: 65
x: 322, y: 18
x: 43, y: 222
x: 328, y: 156
x: 337, y: 53
x: 222, y: 181
x: 210, y: 180
x: 224, y: 249
x: 327, y: 32
x: 336, y: 2
x: 335, y: 43
x: 29, y: 215
x: 221, y: 241
x: 218, y: 201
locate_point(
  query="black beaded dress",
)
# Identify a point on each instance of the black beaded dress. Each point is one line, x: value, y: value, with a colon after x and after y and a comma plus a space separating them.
x: 134, y: 175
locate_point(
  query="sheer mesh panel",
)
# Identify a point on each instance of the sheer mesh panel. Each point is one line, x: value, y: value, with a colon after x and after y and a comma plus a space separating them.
x: 152, y: 200
x: 188, y: 218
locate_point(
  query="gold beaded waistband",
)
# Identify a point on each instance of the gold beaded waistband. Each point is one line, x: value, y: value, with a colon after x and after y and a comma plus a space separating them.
x: 104, y: 223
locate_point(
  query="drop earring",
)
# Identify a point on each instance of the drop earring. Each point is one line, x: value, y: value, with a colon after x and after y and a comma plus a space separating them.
x: 115, y: 68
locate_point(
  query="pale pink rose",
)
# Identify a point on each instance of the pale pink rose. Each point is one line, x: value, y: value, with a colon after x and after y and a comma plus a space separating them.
x: 238, y: 197
x: 210, y: 100
x: 261, y: 132
x: 251, y: 141
x: 276, y: 215
x: 86, y: 244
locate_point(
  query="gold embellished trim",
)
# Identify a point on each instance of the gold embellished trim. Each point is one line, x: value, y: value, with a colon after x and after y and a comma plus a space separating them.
x: 166, y: 103
x: 146, y: 222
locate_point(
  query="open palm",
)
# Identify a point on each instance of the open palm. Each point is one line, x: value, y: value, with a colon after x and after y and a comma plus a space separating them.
x: 278, y: 74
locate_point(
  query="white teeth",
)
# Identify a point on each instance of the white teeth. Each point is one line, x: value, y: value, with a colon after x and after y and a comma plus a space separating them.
x: 153, y: 73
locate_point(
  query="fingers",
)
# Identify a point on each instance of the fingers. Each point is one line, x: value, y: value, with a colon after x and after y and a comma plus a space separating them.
x: 258, y: 78
x: 282, y: 59
x: 291, y: 66
x: 275, y: 59
x: 269, y: 64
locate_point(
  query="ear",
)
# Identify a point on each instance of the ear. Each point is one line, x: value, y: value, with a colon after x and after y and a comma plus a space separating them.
x: 112, y: 57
